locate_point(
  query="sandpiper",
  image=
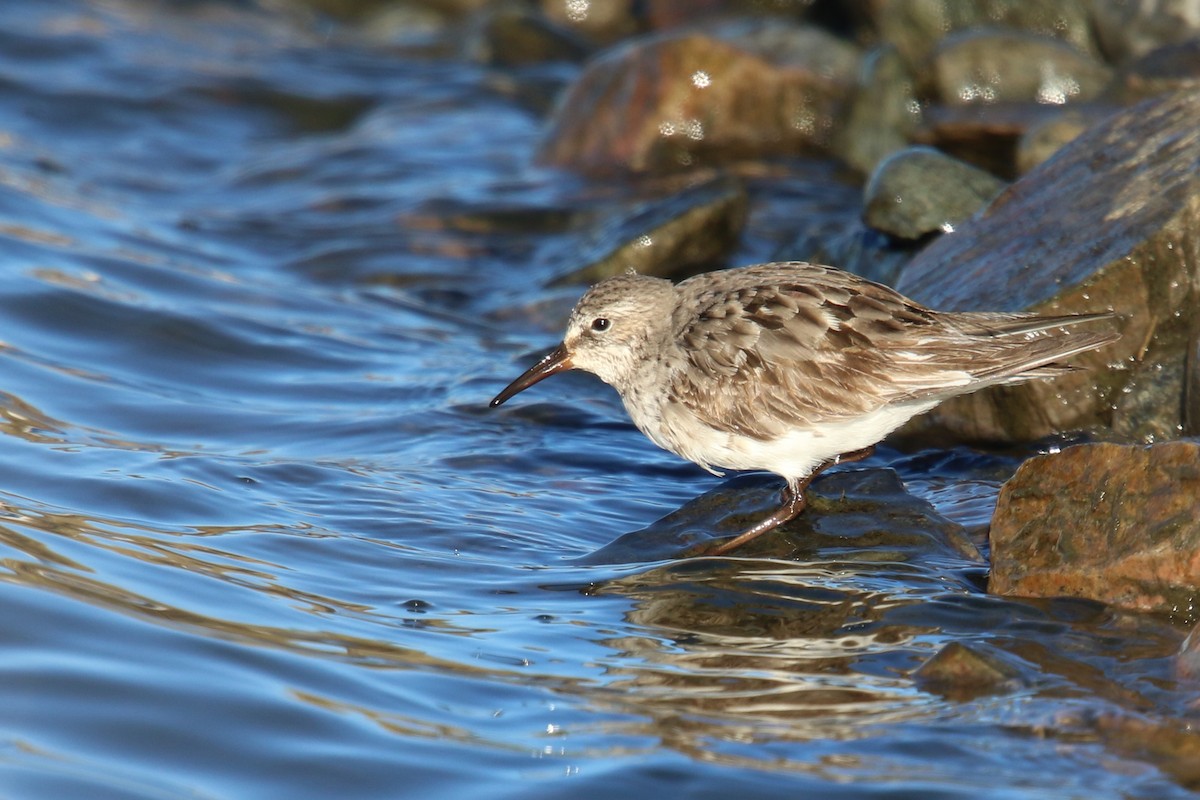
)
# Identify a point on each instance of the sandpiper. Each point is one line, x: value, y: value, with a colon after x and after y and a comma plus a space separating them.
x: 792, y: 367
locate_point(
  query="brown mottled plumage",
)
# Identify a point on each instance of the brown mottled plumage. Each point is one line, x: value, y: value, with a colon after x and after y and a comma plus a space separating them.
x: 792, y: 367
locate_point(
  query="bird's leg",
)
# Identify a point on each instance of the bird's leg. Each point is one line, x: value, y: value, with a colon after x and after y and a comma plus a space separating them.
x: 793, y: 503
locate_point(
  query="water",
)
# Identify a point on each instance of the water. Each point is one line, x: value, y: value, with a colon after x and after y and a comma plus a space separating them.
x: 259, y: 536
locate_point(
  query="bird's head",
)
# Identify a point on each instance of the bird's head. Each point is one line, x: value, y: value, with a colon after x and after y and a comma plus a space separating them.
x: 614, y: 328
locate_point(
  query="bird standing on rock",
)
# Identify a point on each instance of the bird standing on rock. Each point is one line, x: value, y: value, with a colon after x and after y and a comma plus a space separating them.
x: 792, y: 367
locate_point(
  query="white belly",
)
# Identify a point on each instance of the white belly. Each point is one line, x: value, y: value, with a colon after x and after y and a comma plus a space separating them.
x: 793, y: 456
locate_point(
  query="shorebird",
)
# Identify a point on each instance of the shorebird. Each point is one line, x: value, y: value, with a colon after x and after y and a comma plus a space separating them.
x: 792, y: 367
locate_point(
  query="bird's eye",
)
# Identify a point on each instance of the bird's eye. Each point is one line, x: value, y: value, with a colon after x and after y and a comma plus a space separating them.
x: 601, y: 324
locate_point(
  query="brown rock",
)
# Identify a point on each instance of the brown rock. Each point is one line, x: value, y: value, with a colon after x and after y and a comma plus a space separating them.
x: 1114, y: 523
x: 1111, y: 221
x: 669, y: 103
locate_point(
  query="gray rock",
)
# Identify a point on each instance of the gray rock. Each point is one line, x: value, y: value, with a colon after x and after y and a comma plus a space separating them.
x: 919, y: 190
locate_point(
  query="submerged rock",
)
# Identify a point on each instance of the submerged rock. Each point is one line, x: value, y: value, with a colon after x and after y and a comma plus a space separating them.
x: 662, y: 104
x: 1110, y: 222
x: 1114, y: 523
x: 961, y: 672
x: 920, y: 190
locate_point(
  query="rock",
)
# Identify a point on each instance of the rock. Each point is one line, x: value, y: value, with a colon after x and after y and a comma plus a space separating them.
x: 819, y: 219
x: 916, y: 26
x: 601, y: 23
x: 689, y: 231
x: 1172, y: 745
x: 884, y: 112
x: 859, y: 516
x: 1111, y: 221
x: 985, y: 135
x: 1114, y: 523
x: 1131, y: 28
x: 999, y: 66
x: 669, y: 103
x: 1047, y: 136
x: 1167, y: 69
x: 920, y: 190
x: 1187, y: 660
x: 962, y: 672
x: 509, y: 36
x: 610, y: 21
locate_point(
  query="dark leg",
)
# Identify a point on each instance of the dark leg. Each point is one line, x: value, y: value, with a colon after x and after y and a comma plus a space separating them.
x: 793, y: 503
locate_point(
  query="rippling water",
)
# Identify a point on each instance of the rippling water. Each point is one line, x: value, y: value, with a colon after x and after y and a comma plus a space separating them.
x: 259, y: 536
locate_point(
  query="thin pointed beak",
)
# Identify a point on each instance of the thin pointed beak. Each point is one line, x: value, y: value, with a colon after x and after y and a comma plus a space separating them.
x: 557, y: 360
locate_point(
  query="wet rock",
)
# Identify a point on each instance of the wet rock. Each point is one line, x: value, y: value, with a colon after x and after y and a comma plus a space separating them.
x: 999, y: 66
x: 1114, y: 523
x: 1112, y: 221
x: 1130, y: 29
x: 1167, y: 69
x: 916, y: 26
x: 511, y: 36
x: 853, y: 516
x: 962, y: 672
x: 675, y: 102
x: 600, y: 23
x: 687, y: 232
x: 1047, y: 136
x: 884, y: 112
x: 985, y: 135
x: 920, y: 190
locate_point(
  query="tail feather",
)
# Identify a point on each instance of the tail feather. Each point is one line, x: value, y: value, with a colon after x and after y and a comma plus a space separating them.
x: 1039, y: 357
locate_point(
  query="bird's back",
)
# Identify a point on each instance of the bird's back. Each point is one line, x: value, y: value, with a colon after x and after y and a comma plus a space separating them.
x: 766, y: 349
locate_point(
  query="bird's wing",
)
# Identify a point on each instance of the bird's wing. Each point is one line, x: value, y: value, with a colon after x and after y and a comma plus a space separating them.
x: 776, y: 348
